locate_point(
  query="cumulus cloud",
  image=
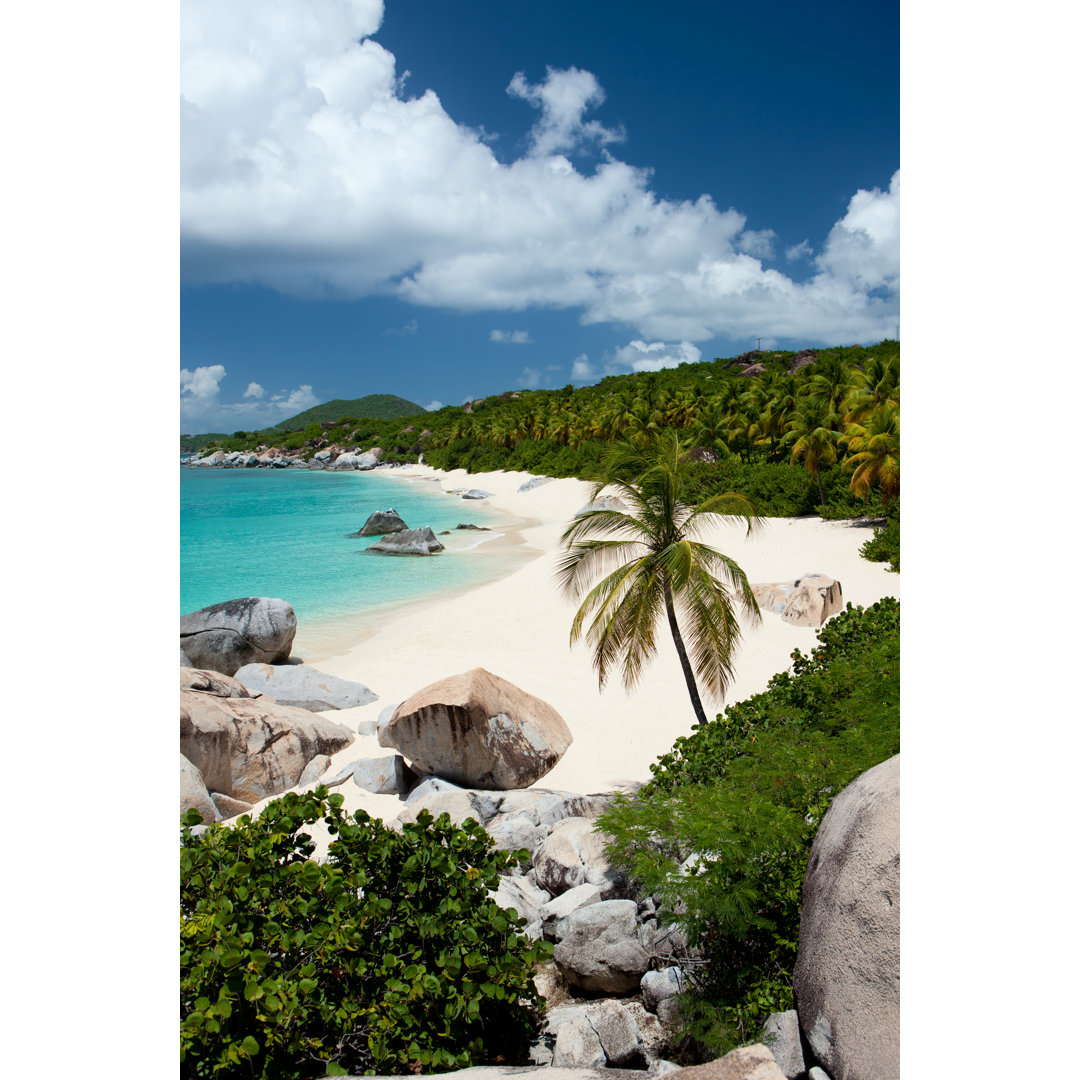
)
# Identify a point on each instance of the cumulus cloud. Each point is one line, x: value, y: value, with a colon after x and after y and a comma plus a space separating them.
x: 758, y: 243
x: 654, y: 356
x: 563, y: 98
x: 581, y: 369
x: 433, y: 406
x: 202, y: 409
x: 305, y: 167
x: 530, y: 378
x: 511, y: 337
x: 799, y: 251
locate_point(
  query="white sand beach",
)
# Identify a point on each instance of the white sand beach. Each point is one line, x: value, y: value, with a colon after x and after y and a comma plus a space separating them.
x: 518, y: 627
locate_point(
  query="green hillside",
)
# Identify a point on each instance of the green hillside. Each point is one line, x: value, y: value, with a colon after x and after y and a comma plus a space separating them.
x: 372, y: 407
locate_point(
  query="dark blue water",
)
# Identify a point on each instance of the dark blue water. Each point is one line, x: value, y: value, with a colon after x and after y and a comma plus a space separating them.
x: 278, y: 532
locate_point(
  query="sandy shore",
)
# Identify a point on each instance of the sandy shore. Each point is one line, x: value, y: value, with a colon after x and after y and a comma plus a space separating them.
x: 518, y: 627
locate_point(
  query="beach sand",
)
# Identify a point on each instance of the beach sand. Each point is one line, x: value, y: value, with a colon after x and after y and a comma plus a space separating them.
x: 518, y: 627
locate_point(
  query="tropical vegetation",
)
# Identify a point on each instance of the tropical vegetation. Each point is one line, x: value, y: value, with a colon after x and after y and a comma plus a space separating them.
x: 644, y: 545
x: 722, y: 831
x: 387, y: 957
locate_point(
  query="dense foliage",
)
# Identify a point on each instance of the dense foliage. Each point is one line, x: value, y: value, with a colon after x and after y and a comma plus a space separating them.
x: 793, y: 439
x: 370, y: 407
x: 754, y: 785
x: 885, y: 545
x: 389, y: 957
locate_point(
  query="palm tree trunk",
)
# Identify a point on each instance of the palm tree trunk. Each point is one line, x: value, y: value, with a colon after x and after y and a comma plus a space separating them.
x: 821, y: 490
x: 680, y: 648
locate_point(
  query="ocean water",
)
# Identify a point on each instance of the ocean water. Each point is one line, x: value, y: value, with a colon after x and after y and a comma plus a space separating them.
x: 284, y: 532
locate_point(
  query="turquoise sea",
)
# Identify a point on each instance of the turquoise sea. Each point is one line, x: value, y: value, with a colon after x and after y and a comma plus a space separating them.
x: 278, y: 532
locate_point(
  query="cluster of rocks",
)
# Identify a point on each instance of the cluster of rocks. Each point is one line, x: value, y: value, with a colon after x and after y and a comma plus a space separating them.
x: 474, y: 746
x: 806, y: 601
x: 396, y: 537
x: 274, y: 457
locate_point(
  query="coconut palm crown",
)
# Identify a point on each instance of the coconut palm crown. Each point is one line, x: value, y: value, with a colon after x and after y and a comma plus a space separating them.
x: 651, y: 565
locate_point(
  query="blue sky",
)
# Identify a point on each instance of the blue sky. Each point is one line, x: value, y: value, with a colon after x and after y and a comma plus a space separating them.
x: 446, y: 200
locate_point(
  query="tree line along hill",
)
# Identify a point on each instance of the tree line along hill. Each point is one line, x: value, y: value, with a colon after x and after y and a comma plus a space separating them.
x: 810, y: 432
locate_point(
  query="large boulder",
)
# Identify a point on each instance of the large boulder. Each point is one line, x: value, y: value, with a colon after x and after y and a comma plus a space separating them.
x: 814, y: 597
x: 754, y: 1062
x: 382, y: 522
x: 303, y: 686
x: 600, y: 948
x: 603, y: 502
x: 225, y: 637
x: 245, y: 746
x: 781, y: 1035
x: 409, y: 542
x: 193, y: 793
x: 847, y: 976
x: 573, y: 855
x: 478, y: 730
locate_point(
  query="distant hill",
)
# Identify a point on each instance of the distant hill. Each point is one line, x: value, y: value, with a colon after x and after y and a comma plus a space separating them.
x: 372, y: 407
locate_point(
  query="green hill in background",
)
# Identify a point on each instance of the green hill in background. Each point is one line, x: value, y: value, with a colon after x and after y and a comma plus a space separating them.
x: 372, y: 407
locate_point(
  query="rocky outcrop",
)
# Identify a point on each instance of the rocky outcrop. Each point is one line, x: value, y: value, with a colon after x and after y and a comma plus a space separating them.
x: 382, y: 522
x: 847, y: 976
x: 225, y: 637
x: 753, y: 371
x: 193, y: 793
x: 601, y: 950
x: 478, y: 730
x: 353, y: 460
x: 245, y: 746
x: 802, y: 359
x: 410, y: 542
x: 807, y: 601
x: 303, y: 686
x: 754, y: 1062
x: 814, y: 597
x: 573, y: 855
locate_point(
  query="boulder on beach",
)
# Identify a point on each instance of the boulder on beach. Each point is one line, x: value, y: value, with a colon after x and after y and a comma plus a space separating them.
x: 813, y: 599
x: 410, y: 542
x: 383, y: 522
x: 535, y: 482
x: 478, y: 730
x: 604, y: 502
x: 225, y: 637
x: 476, y: 493
x: 248, y: 746
x: 303, y: 686
x: 847, y: 975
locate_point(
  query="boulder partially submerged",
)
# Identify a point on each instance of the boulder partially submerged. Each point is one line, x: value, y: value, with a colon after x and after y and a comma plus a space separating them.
x: 383, y: 522
x: 225, y: 637
x: 410, y: 542
x: 478, y: 730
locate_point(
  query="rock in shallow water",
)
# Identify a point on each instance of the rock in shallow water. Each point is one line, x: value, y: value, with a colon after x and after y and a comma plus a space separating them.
x: 410, y: 542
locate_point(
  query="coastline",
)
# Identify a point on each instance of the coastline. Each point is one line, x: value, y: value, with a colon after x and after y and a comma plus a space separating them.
x: 517, y: 626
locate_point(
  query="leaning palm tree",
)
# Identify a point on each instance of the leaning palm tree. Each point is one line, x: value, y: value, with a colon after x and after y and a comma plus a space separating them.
x: 651, y: 565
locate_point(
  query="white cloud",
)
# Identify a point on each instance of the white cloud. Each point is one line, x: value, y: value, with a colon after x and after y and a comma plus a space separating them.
x: 757, y: 243
x: 530, y: 378
x: 801, y: 250
x: 511, y: 337
x: 201, y: 408
x: 562, y: 99
x: 639, y: 356
x: 582, y: 369
x: 306, y: 168
x: 433, y: 406
x: 407, y: 330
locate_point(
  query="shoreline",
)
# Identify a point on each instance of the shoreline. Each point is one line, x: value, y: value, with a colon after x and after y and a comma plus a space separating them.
x: 517, y: 626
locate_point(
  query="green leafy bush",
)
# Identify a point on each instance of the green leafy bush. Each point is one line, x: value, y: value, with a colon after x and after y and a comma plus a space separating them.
x: 754, y: 785
x: 389, y: 957
x: 885, y: 546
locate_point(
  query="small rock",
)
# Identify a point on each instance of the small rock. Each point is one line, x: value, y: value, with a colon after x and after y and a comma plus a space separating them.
x: 383, y: 776
x: 745, y: 1063
x: 658, y: 986
x: 228, y: 807
x: 555, y: 911
x: 314, y: 769
x: 781, y: 1036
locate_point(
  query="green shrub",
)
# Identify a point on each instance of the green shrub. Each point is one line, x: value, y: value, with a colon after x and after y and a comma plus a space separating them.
x: 885, y: 546
x: 754, y: 785
x: 389, y: 957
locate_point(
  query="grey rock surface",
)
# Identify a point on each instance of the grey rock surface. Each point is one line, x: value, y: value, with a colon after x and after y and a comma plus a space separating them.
x: 744, y: 1063
x: 476, y: 493
x: 314, y: 769
x: 384, y: 775
x: 847, y: 975
x: 305, y: 687
x: 817, y: 1073
x: 600, y: 950
x: 535, y: 482
x: 518, y: 892
x: 225, y: 637
x: 781, y: 1035
x: 382, y: 522
x: 554, y: 911
x: 578, y: 1045
x: 478, y: 730
x: 573, y: 855
x: 228, y: 807
x: 658, y: 986
x: 619, y: 1036
x: 410, y: 542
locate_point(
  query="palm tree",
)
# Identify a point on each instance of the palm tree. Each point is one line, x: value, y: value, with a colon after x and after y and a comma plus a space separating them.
x: 652, y: 566
x: 813, y: 432
x: 875, y: 453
